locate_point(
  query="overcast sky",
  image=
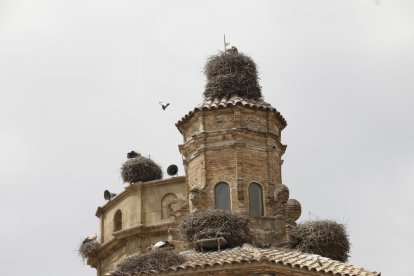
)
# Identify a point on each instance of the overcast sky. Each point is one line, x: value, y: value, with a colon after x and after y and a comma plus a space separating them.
x: 80, y: 82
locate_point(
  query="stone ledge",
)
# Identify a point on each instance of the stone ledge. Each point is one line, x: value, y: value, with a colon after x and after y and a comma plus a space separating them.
x: 136, y: 186
x: 120, y: 238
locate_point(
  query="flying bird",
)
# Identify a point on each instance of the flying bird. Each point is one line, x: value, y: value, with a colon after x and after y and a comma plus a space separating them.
x: 164, y: 105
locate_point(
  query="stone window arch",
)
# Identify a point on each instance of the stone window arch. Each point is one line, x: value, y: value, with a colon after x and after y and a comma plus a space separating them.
x: 118, y: 220
x: 222, y: 196
x: 165, y: 201
x: 255, y: 199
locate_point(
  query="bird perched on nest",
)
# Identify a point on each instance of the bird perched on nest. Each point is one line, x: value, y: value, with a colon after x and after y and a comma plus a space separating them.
x: 230, y: 48
x: 164, y: 105
x: 132, y: 154
x: 161, y: 244
x: 91, y: 238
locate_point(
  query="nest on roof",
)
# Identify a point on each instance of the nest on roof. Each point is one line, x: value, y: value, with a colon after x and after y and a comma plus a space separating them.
x: 153, y: 261
x: 323, y: 237
x: 89, y: 249
x: 140, y: 169
x: 207, y: 224
x: 231, y: 73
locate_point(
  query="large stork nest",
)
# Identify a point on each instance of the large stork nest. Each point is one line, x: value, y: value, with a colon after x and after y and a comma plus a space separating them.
x: 323, y: 237
x: 140, y: 169
x: 153, y: 261
x: 231, y: 73
x: 89, y: 249
x: 234, y: 228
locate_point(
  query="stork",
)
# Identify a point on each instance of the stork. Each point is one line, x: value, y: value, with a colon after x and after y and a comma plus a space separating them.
x: 230, y: 48
x: 132, y: 154
x: 161, y: 244
x: 164, y: 105
x: 91, y: 238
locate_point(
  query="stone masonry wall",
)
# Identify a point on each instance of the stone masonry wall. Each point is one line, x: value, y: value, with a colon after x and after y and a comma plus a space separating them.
x: 239, y: 146
x: 141, y: 205
x: 131, y: 215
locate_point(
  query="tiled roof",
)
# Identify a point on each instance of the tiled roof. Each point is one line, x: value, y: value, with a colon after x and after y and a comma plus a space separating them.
x: 209, y: 104
x: 289, y: 259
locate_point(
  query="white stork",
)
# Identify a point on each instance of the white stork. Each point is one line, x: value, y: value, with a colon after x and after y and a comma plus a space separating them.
x: 230, y: 48
x: 91, y: 238
x: 160, y: 244
x: 164, y: 105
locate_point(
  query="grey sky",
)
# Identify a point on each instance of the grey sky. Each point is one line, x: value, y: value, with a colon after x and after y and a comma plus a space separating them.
x: 80, y: 83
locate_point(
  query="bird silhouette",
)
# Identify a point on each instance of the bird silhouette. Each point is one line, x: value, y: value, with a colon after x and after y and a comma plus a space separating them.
x: 132, y: 154
x: 164, y: 105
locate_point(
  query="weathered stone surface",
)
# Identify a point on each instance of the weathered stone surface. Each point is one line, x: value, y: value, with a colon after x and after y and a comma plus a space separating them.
x: 200, y: 198
x: 278, y: 196
x: 293, y: 210
x: 237, y: 145
x: 178, y: 208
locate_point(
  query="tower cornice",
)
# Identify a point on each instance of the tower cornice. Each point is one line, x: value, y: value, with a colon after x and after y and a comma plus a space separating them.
x: 217, y: 103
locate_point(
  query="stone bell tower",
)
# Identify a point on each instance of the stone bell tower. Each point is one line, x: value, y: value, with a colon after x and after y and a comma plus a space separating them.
x: 233, y: 152
x: 234, y: 140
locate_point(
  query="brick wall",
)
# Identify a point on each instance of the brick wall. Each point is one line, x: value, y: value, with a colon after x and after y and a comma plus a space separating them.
x: 237, y: 145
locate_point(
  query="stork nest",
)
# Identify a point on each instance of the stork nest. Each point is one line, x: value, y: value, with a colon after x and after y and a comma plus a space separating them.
x: 234, y: 228
x: 140, y: 169
x: 231, y: 73
x: 153, y: 261
x: 89, y: 249
x: 323, y: 237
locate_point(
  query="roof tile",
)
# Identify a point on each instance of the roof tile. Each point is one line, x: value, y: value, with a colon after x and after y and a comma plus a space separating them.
x: 285, y: 257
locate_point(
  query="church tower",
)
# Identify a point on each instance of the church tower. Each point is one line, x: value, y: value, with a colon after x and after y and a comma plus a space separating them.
x: 232, y: 149
x: 232, y: 154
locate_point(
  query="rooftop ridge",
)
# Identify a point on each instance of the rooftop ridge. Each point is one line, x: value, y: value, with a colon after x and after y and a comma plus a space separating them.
x: 248, y: 253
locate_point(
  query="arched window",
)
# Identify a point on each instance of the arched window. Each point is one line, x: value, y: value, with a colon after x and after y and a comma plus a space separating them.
x: 118, y: 220
x: 222, y: 196
x: 165, y: 201
x: 255, y: 199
